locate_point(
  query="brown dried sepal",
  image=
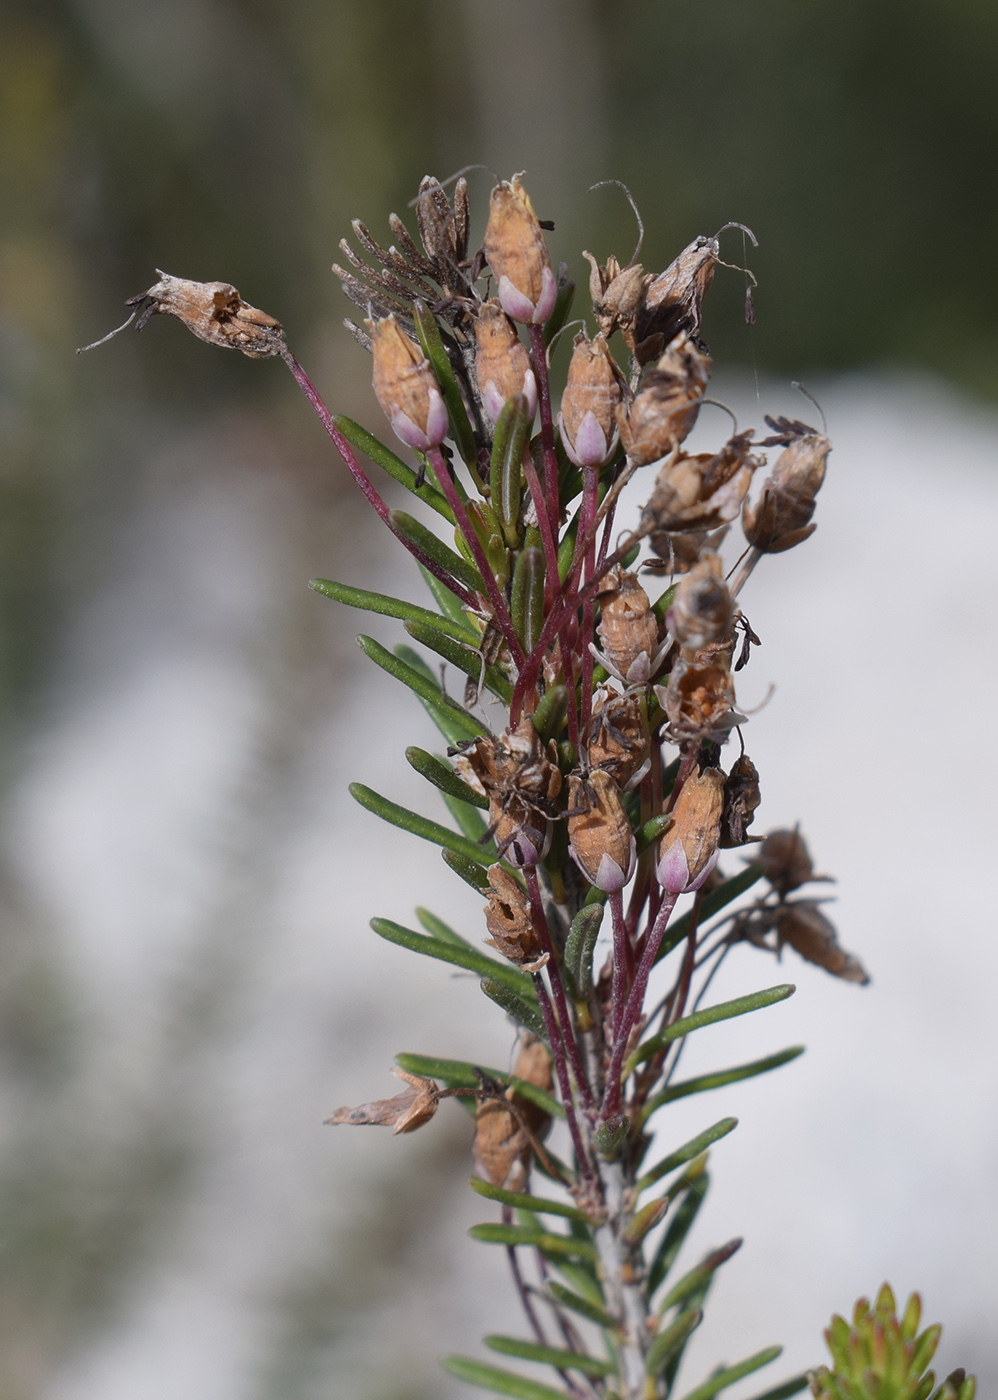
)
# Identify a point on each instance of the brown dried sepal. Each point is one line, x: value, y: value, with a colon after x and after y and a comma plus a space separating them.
x: 521, y: 779
x: 403, y: 1113
x: 703, y: 610
x: 617, y: 293
x: 689, y: 846
x: 599, y: 832
x: 702, y: 491
x: 508, y: 920
x: 214, y: 312
x: 680, y: 550
x: 700, y: 697
x: 781, y: 517
x: 628, y: 628
x: 786, y: 861
x: 665, y: 408
x: 619, y: 742
x: 673, y: 300
x: 504, y: 1138
x: 741, y: 798
x: 803, y: 926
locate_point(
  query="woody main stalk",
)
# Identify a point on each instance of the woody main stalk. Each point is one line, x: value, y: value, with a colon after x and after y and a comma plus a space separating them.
x: 585, y: 767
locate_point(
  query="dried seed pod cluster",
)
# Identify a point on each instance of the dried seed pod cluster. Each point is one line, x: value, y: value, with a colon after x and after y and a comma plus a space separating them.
x: 584, y: 773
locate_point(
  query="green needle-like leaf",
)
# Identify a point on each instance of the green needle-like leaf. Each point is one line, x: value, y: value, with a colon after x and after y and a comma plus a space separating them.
x: 524, y: 1013
x: 449, y: 605
x: 722, y: 1379
x: 432, y: 342
x: 434, y: 548
x: 692, y: 1284
x: 385, y: 458
x: 506, y: 468
x: 463, y: 658
x: 417, y: 825
x: 687, y: 1152
x: 675, y: 1236
x: 584, y: 1306
x: 720, y: 1079
x: 386, y: 606
x: 469, y: 871
x: 460, y: 1074
x: 436, y: 928
x: 709, y: 1016
x: 497, y: 1380
x: 673, y: 1337
x: 467, y: 957
x: 560, y: 1357
x: 468, y: 820
x: 493, y: 1232
x: 710, y: 905
x: 542, y: 1205
x: 787, y: 1388
x: 442, y: 776
x: 456, y: 716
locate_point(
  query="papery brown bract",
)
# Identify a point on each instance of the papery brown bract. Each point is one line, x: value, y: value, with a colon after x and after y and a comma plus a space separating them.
x: 619, y: 742
x: 781, y: 517
x: 510, y: 923
x: 801, y: 925
x: 703, y: 610
x: 702, y: 491
x: 672, y: 301
x: 214, y: 312
x: 741, y: 798
x: 786, y: 861
x: 662, y: 413
x: 699, y: 699
x: 505, y: 1135
x: 403, y: 1113
x: 617, y: 293
x: 520, y: 777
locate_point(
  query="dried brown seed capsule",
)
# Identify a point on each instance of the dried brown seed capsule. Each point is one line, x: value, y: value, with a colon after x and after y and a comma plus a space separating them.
x: 521, y: 779
x: 602, y: 843
x: 508, y: 919
x: 617, y: 293
x: 619, y: 742
x: 628, y: 629
x: 406, y: 387
x: 502, y: 364
x: 665, y: 408
x: 786, y: 861
x: 703, y: 610
x: 593, y: 393
x: 700, y: 697
x: 213, y: 311
x: 679, y: 550
x: 404, y: 1113
x: 689, y: 847
x: 802, y: 924
x: 780, y: 518
x: 702, y: 491
x: 517, y: 252
x: 673, y: 299
x: 741, y: 798
x: 503, y: 1148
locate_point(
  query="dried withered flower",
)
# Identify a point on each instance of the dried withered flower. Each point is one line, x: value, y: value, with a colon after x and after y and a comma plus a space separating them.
x: 702, y: 491
x: 509, y: 921
x: 699, y: 699
x: 617, y: 293
x: 593, y: 392
x: 781, y: 516
x: 602, y: 842
x: 502, y: 365
x: 741, y: 798
x: 213, y: 311
x: 628, y: 629
x: 688, y: 851
x: 786, y: 861
x: 662, y: 413
x: 517, y: 252
x: 703, y: 609
x: 619, y: 742
x: 403, y: 1113
x: 405, y: 386
x: 521, y: 779
x: 672, y: 300
x: 679, y: 550
x: 802, y: 924
x: 503, y: 1148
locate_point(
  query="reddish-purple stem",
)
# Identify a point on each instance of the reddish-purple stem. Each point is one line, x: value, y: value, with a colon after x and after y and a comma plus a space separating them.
x: 561, y: 1071
x: 362, y: 480
x: 605, y: 541
x: 499, y: 610
x: 538, y: 352
x: 632, y: 1010
x: 544, y: 937
x: 551, y: 581
x: 623, y: 962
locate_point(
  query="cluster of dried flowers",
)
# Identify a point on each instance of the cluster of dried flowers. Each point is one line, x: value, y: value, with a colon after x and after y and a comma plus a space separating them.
x: 591, y: 779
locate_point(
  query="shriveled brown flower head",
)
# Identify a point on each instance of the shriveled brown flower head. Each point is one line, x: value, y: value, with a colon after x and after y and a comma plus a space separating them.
x: 214, y: 312
x: 704, y: 490
x: 617, y: 293
x: 703, y: 609
x: 509, y: 921
x: 782, y: 515
x: 628, y: 629
x: 665, y: 408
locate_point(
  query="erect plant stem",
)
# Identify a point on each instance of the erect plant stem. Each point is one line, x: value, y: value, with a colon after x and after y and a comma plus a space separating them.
x: 551, y: 580
x: 632, y: 1010
x: 564, y: 1083
x: 554, y: 973
x: 625, y: 1296
x: 363, y: 481
x: 623, y: 962
x: 539, y: 355
x: 499, y: 609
